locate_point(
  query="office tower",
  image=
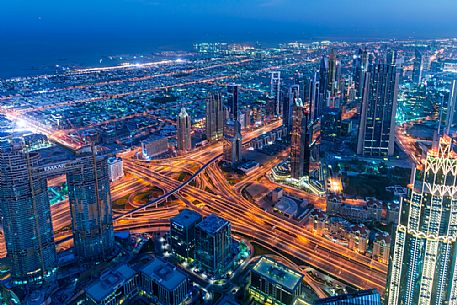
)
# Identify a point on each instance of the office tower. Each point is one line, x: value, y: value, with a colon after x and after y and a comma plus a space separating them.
x: 25, y: 209
x: 360, y: 66
x: 163, y: 282
x: 232, y: 99
x: 90, y: 206
x: 365, y: 297
x: 182, y: 233
x: 183, y: 130
x: 315, y: 106
x: 293, y: 95
x: 417, y: 68
x: 324, y: 81
x: 391, y: 57
x: 275, y: 91
x: 237, y: 142
x: 273, y: 283
x: 213, y: 237
x: 379, y: 105
x: 215, y: 118
x: 331, y: 123
x: 423, y: 266
x: 299, y: 149
x: 451, y: 107
x: 332, y: 85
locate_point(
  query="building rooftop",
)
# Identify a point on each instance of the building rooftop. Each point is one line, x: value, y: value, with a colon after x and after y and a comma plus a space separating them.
x: 164, y: 273
x: 212, y: 224
x: 186, y: 218
x: 278, y: 273
x: 109, y: 281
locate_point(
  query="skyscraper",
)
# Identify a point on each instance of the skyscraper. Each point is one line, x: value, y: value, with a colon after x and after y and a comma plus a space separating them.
x: 332, y: 85
x: 379, y: 105
x: 182, y: 233
x: 232, y: 98
x: 183, y: 130
x: 418, y: 66
x: 299, y: 148
x: 275, y: 90
x: 90, y: 206
x: 215, y: 117
x: 451, y: 107
x: 293, y: 95
x: 25, y: 209
x: 360, y: 66
x: 423, y: 263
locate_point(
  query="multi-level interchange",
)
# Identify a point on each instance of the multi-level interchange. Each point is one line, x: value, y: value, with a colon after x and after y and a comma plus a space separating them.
x: 307, y: 173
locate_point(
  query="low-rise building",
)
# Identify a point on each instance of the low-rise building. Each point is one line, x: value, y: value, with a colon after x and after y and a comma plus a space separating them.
x: 358, y: 237
x: 273, y: 283
x: 115, y: 168
x: 164, y: 282
x: 154, y: 146
x: 369, y: 209
x: 113, y: 287
x: 381, y: 247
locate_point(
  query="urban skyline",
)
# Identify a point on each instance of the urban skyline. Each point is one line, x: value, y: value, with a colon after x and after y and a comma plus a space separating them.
x: 267, y: 159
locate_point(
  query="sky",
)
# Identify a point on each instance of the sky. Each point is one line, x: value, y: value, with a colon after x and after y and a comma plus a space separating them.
x: 52, y: 28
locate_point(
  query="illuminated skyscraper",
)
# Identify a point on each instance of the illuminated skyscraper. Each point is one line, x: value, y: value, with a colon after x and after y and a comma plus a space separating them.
x: 25, y: 209
x: 379, y: 105
x: 418, y: 67
x: 232, y: 98
x: 423, y: 263
x: 451, y: 107
x: 299, y: 149
x: 214, y: 117
x: 90, y: 206
x: 294, y: 94
x: 275, y: 90
x: 183, y: 132
x: 332, y: 85
x: 360, y: 66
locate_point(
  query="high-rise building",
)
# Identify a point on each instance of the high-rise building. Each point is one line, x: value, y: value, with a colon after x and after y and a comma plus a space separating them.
x: 323, y: 81
x: 232, y: 99
x: 423, y: 266
x: 360, y: 66
x: 315, y: 107
x: 332, y: 85
x: 182, y: 233
x: 183, y: 132
x: 299, y: 149
x: 90, y: 206
x: 293, y: 96
x: 379, y: 105
x: 26, y: 214
x: 214, y: 238
x: 418, y: 67
x: 275, y: 90
x: 215, y: 117
x: 451, y: 107
x: 115, y: 168
x: 365, y: 297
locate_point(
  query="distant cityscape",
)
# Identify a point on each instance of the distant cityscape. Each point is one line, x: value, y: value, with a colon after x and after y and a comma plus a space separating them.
x: 300, y: 174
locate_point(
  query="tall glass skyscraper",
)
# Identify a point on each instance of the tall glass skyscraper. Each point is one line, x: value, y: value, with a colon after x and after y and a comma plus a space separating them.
x: 365, y: 297
x: 379, y: 105
x: 215, y: 117
x: 26, y: 214
x: 183, y: 131
x: 90, y: 206
x: 423, y: 263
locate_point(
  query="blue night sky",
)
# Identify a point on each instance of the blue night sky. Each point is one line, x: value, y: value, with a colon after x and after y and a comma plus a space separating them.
x: 52, y: 28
